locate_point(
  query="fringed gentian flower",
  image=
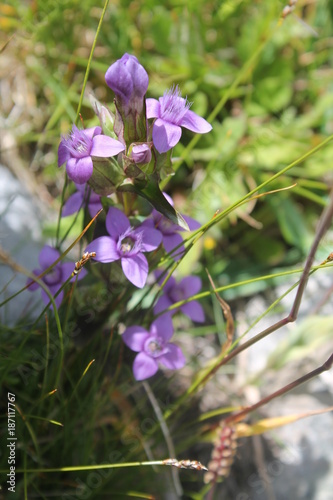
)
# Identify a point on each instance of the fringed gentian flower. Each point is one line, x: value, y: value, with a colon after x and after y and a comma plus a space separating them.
x: 128, y: 79
x: 153, y: 347
x: 83, y: 196
x: 127, y: 245
x: 174, y: 292
x: 80, y: 146
x: 173, y: 112
x: 141, y: 153
x: 170, y: 231
x: 56, y: 277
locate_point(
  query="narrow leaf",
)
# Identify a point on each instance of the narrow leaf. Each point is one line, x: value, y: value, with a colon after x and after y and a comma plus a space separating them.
x: 150, y: 190
x: 230, y: 324
x: 267, y: 424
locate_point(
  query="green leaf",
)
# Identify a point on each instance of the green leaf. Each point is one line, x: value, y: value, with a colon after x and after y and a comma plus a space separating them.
x: 292, y: 223
x: 150, y: 190
x: 107, y: 175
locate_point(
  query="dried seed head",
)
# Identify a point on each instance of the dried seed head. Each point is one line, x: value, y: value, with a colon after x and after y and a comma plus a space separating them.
x: 80, y: 263
x: 185, y: 464
x: 223, y: 453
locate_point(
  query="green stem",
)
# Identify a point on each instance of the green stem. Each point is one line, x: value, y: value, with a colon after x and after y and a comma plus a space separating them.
x: 236, y: 417
x: 87, y: 467
x: 86, y: 76
x: 323, y: 225
x: 235, y: 205
x: 207, y: 293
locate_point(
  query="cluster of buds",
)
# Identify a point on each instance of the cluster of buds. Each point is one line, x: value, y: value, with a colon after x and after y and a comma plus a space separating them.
x: 223, y: 454
x: 131, y: 149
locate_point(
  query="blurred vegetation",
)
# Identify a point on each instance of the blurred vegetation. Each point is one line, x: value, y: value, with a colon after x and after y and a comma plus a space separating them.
x: 281, y: 107
x: 266, y: 86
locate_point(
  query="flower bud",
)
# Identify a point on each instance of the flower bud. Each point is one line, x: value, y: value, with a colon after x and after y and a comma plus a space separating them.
x: 129, y: 81
x: 141, y: 153
x: 127, y: 78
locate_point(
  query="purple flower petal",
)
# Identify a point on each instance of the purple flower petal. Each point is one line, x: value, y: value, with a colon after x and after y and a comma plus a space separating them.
x: 163, y: 303
x: 171, y: 241
x: 192, y: 223
x: 144, y: 366
x: 104, y: 146
x: 135, y: 337
x: 116, y: 222
x: 141, y: 153
x: 47, y: 256
x: 162, y: 327
x: 191, y: 285
x: 173, y: 359
x: 35, y: 285
x: 94, y: 207
x: 127, y: 78
x: 73, y: 204
x: 105, y: 248
x: 63, y: 153
x: 160, y: 276
x: 172, y: 113
x: 135, y: 269
x: 57, y: 299
x: 80, y: 170
x: 153, y: 108
x: 55, y: 287
x: 165, y: 135
x: 82, y: 188
x: 119, y: 80
x: 168, y: 197
x: 149, y: 222
x: 151, y: 238
x: 194, y: 311
x: 195, y: 123
x: 92, y: 131
x: 66, y: 270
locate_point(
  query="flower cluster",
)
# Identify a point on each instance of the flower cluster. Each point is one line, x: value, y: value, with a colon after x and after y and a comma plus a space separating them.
x: 132, y: 147
x: 80, y: 146
x: 111, y: 165
x: 83, y: 196
x: 172, y: 112
x: 126, y: 244
x: 153, y: 348
x: 174, y: 292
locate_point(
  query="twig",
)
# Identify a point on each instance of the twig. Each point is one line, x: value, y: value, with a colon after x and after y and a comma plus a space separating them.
x: 323, y: 225
x: 236, y: 417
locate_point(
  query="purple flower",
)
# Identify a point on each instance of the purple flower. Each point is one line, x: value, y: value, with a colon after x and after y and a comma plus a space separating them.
x: 141, y: 153
x: 83, y: 196
x: 175, y: 292
x: 153, y: 348
x: 56, y: 277
x: 127, y: 244
x: 78, y: 148
x: 170, y: 231
x: 173, y: 112
x: 127, y: 78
